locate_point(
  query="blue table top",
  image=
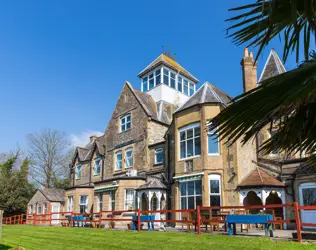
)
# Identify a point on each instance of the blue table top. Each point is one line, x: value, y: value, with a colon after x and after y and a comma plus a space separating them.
x: 249, y: 218
x: 144, y: 217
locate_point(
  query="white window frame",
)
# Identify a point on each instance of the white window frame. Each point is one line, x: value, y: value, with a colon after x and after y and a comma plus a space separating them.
x: 116, y: 160
x: 45, y: 208
x: 143, y: 82
x: 95, y: 166
x: 191, y: 126
x: 124, y: 122
x: 99, y: 202
x: 111, y: 200
x: 127, y: 157
x: 39, y: 208
x: 84, y: 204
x: 79, y: 171
x: 70, y: 203
x: 30, y: 208
x: 219, y: 179
x: 157, y: 151
x: 191, y: 195
x: 269, y: 136
x: 212, y: 133
x: 128, y: 201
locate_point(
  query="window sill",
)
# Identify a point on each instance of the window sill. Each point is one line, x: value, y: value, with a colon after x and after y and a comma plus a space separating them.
x: 214, y: 154
x: 96, y: 174
x: 158, y: 164
x: 190, y: 158
x: 121, y: 132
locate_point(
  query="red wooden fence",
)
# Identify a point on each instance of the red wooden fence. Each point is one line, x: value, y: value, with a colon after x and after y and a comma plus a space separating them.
x: 36, y: 219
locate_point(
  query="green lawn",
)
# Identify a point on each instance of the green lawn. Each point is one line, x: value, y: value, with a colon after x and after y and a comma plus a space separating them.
x: 83, y: 238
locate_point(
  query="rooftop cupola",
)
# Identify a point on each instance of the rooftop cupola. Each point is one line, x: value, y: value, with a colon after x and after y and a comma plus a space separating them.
x: 166, y: 80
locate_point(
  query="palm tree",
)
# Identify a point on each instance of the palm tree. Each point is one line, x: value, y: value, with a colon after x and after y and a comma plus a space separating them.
x: 288, y: 99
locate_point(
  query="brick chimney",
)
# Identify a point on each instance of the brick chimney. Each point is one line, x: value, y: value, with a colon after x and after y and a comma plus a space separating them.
x: 249, y: 71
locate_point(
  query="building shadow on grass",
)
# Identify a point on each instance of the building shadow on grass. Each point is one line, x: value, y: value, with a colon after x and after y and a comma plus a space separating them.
x: 4, y: 247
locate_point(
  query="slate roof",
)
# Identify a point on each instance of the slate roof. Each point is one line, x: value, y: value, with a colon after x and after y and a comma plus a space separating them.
x: 207, y: 93
x: 305, y: 169
x: 53, y: 194
x: 170, y: 62
x: 260, y: 178
x: 152, y: 183
x: 273, y: 66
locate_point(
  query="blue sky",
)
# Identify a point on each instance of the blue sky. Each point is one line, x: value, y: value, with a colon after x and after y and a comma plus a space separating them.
x: 64, y: 63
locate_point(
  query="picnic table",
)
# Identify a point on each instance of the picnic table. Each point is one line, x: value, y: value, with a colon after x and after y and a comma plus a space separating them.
x: 144, y: 218
x: 234, y: 219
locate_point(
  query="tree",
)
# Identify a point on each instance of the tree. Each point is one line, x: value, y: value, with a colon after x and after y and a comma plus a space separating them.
x: 16, y: 191
x: 287, y: 99
x: 49, y: 152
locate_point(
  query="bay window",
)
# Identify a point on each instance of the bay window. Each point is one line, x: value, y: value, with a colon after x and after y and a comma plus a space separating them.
x: 45, y: 208
x: 215, y: 189
x: 126, y: 122
x: 39, y: 209
x: 83, y: 204
x: 129, y: 199
x: 118, y: 160
x: 172, y: 80
x: 151, y: 81
x: 179, y: 83
x: 129, y: 158
x: 112, y: 200
x: 145, y: 84
x: 158, y: 78
x: 100, y: 202
x: 212, y: 143
x: 190, y: 194
x: 166, y: 76
x: 70, y: 203
x: 190, y: 141
x: 185, y: 87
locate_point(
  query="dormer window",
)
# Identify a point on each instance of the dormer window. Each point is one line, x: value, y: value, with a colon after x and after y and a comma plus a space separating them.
x: 126, y: 122
x: 78, y: 171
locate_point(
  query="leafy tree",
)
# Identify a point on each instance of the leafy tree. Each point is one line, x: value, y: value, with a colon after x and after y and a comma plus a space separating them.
x: 289, y: 98
x: 16, y: 191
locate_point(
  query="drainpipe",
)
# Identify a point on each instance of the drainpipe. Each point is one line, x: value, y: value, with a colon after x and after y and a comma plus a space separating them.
x: 102, y: 173
x: 90, y: 173
x: 168, y: 198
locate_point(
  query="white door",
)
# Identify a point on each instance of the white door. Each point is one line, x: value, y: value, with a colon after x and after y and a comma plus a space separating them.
x: 308, y: 198
x: 55, y: 217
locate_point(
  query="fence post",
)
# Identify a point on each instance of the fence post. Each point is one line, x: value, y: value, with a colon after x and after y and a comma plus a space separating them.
x: 138, y: 219
x: 34, y: 219
x: 70, y: 222
x: 100, y: 218
x: 298, y: 222
x: 198, y: 217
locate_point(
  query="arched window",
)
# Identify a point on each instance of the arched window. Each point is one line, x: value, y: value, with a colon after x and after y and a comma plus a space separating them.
x: 162, y: 202
x: 154, y: 202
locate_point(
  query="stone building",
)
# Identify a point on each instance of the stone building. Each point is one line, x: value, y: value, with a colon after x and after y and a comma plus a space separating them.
x: 157, y: 151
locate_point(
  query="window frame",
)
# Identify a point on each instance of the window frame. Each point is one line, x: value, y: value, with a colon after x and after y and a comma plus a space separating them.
x: 84, y: 204
x: 70, y: 204
x: 211, y: 134
x: 217, y: 177
x: 112, y: 200
x: 94, y: 167
x: 116, y: 161
x: 39, y: 208
x: 99, y: 202
x: 127, y: 150
x: 78, y: 170
x: 161, y: 149
x: 133, y: 200
x: 185, y: 128
x: 124, y: 122
x: 186, y: 196
x: 45, y: 208
x: 269, y: 136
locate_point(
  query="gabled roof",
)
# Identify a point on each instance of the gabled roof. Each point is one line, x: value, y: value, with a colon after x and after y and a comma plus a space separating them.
x: 168, y: 61
x: 152, y: 183
x: 260, y: 178
x: 207, y: 93
x: 53, y: 194
x: 273, y: 66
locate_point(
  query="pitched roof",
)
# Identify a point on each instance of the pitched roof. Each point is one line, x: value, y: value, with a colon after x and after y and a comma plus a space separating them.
x: 273, y: 66
x: 53, y: 194
x: 207, y: 93
x: 260, y: 178
x: 165, y: 111
x: 152, y: 183
x: 168, y: 61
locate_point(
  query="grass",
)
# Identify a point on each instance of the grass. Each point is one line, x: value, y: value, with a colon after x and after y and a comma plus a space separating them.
x: 39, y: 237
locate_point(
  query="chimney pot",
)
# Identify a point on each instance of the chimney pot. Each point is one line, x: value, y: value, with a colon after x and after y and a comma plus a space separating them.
x: 251, y: 54
x: 246, y: 52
